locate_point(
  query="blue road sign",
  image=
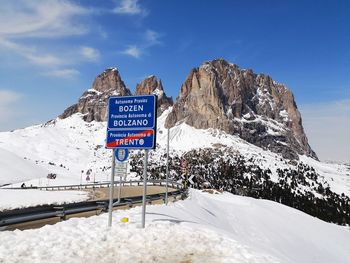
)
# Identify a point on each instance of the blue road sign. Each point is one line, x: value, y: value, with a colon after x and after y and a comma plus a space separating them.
x: 131, y: 139
x: 122, y: 154
x: 132, y: 122
x: 136, y: 112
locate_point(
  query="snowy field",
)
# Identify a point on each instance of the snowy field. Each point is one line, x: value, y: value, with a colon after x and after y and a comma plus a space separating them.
x: 16, y: 169
x: 71, y: 147
x: 11, y: 199
x: 204, y: 228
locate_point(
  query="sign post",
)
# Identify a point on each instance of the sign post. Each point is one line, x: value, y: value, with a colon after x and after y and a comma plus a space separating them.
x: 132, y: 124
x: 111, y: 188
x: 144, y: 188
x: 122, y: 157
x: 167, y: 168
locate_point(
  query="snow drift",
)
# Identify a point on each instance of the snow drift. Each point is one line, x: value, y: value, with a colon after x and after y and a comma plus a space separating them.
x: 204, y: 228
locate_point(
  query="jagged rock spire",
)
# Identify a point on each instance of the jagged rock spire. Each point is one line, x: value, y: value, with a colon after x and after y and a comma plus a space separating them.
x: 153, y: 85
x: 220, y: 95
x: 93, y: 102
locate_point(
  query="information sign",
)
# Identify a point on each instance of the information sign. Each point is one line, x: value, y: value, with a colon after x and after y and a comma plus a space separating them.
x: 122, y: 155
x: 132, y: 122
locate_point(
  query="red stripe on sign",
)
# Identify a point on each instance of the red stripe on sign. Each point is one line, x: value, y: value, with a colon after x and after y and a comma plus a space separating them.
x: 137, y: 136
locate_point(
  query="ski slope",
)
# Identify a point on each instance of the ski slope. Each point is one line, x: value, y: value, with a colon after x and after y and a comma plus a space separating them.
x: 203, y: 228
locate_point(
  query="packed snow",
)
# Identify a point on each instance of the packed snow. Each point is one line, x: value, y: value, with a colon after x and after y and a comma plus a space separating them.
x: 203, y: 228
x: 12, y: 198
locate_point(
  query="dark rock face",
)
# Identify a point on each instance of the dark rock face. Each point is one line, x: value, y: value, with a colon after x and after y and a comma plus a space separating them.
x: 152, y: 85
x: 222, y: 96
x: 93, y: 103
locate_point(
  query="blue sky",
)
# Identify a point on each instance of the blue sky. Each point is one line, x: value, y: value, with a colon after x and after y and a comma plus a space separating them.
x: 50, y: 52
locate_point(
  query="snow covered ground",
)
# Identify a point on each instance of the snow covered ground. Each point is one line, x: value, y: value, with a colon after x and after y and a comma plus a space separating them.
x: 71, y: 147
x: 204, y: 228
x: 11, y: 198
x: 16, y: 169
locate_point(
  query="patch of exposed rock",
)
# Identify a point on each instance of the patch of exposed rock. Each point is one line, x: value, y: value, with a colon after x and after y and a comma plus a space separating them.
x: 222, y: 96
x: 153, y: 85
x: 94, y: 102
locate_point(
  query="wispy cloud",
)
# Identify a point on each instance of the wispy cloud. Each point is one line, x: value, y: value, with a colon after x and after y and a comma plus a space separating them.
x: 133, y: 51
x: 40, y: 18
x: 25, y: 21
x: 327, y: 126
x: 8, y: 107
x: 62, y: 73
x: 44, y: 60
x: 36, y: 57
x: 149, y: 39
x: 129, y: 7
x: 90, y: 53
x: 152, y: 38
x: 7, y: 97
x: 31, y: 54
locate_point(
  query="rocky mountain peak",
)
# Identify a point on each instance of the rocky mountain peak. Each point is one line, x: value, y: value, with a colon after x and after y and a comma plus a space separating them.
x: 110, y: 81
x: 93, y: 103
x: 220, y: 95
x: 153, y: 85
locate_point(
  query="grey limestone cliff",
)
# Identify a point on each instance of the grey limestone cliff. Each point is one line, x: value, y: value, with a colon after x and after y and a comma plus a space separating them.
x: 261, y: 111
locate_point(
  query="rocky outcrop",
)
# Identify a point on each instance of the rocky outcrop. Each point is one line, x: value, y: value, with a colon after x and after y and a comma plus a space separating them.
x: 93, y: 103
x: 153, y: 85
x: 220, y: 95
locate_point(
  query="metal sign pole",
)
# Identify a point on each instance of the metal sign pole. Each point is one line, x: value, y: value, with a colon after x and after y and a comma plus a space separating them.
x: 111, y: 188
x: 144, y: 188
x: 167, y: 169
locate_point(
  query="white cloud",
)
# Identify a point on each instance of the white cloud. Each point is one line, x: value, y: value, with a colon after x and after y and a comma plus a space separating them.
x: 63, y: 73
x: 327, y: 126
x: 152, y: 38
x: 44, y: 60
x: 133, y: 51
x: 149, y: 39
x: 31, y: 54
x: 8, y: 107
x: 24, y: 20
x: 7, y: 97
x: 41, y: 18
x: 129, y: 7
x: 90, y: 53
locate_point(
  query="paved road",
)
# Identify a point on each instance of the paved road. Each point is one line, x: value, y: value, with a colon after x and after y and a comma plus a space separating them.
x: 98, y: 194
x: 126, y: 191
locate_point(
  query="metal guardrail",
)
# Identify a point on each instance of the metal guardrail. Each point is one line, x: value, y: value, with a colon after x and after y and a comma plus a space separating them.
x: 18, y: 216
x: 172, y: 184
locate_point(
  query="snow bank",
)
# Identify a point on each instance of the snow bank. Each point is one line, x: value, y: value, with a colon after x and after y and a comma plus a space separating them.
x: 11, y: 198
x: 204, y: 228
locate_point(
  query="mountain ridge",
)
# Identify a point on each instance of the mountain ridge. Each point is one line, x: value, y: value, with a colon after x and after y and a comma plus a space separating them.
x: 217, y: 95
x: 220, y: 95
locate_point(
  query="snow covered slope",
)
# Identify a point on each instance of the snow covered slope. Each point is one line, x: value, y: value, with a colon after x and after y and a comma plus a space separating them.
x: 14, y: 168
x: 204, y: 228
x: 71, y: 146
x: 65, y: 147
x: 74, y: 149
